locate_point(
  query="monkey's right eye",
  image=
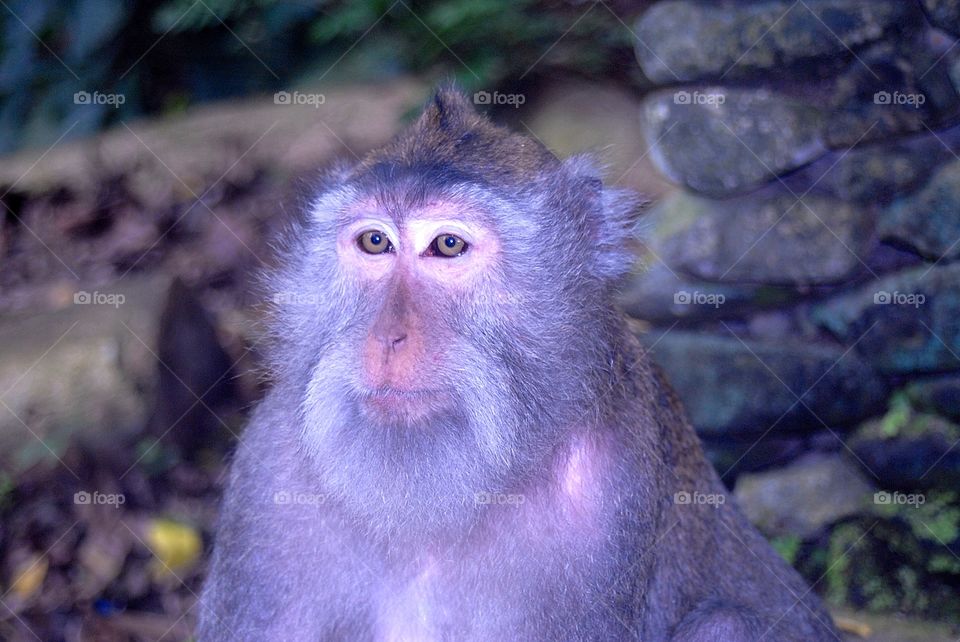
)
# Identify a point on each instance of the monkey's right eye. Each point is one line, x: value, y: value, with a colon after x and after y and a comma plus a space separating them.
x: 374, y: 242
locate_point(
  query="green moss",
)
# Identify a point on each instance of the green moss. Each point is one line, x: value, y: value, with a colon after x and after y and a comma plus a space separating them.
x: 881, y: 599
x: 943, y: 527
x: 838, y: 561
x: 881, y: 565
x: 898, y: 415
x: 787, y: 546
x: 937, y: 520
x: 944, y: 564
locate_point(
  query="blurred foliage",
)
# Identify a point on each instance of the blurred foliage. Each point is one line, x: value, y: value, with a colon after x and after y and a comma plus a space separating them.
x: 164, y: 55
x: 787, y: 546
x: 898, y: 415
x: 898, y: 557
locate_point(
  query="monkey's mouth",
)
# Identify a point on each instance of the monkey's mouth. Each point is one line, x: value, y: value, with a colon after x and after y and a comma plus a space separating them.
x: 405, y: 404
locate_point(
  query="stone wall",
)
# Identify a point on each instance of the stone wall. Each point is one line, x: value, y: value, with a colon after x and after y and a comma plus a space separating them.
x: 802, y: 288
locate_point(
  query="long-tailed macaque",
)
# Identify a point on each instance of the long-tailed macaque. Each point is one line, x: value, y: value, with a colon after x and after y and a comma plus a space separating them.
x: 464, y: 441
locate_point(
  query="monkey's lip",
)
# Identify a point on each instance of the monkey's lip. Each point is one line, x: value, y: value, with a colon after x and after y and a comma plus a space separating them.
x: 390, y: 392
x: 418, y: 401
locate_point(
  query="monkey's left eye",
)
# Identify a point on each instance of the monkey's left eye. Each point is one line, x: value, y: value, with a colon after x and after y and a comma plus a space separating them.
x: 447, y: 246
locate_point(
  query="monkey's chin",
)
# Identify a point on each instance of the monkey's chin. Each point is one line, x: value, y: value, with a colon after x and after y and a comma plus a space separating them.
x: 389, y: 405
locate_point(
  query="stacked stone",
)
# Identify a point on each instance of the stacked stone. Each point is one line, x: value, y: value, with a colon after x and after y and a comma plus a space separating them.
x: 806, y: 268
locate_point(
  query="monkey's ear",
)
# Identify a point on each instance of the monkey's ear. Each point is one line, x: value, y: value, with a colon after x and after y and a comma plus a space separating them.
x: 611, y: 217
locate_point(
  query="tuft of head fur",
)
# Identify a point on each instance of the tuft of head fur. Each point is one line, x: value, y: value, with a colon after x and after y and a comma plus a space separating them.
x: 452, y: 140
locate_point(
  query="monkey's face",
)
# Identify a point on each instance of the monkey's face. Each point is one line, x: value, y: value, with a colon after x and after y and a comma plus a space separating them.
x: 458, y: 317
x: 437, y: 367
x: 416, y: 273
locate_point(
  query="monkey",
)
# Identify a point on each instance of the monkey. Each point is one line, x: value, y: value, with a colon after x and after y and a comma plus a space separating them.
x: 464, y: 440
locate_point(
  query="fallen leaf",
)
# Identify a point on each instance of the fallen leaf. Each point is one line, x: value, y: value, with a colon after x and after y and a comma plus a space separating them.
x: 176, y: 546
x: 29, y: 577
x: 855, y: 627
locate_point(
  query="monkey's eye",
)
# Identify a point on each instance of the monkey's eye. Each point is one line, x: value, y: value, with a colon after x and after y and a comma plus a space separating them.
x: 447, y: 246
x: 374, y: 242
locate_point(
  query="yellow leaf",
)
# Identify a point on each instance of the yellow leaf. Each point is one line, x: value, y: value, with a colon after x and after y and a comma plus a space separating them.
x: 29, y: 577
x: 176, y: 546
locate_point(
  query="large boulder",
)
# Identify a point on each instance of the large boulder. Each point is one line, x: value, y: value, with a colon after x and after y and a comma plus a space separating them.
x: 905, y: 323
x: 82, y: 373
x: 681, y: 40
x: 733, y: 457
x: 928, y: 221
x: 805, y: 497
x: 937, y: 394
x: 898, y: 556
x: 660, y: 294
x: 733, y: 387
x: 889, y: 89
x: 720, y: 140
x: 879, y: 173
x: 909, y: 451
x: 769, y: 237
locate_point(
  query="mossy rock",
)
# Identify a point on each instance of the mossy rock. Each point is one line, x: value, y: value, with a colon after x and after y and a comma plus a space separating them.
x: 896, y: 557
x: 938, y: 394
x: 909, y: 450
x: 905, y: 323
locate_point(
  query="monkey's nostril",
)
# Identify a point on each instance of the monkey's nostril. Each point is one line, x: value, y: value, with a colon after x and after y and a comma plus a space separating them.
x: 396, y: 341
